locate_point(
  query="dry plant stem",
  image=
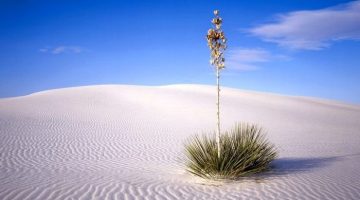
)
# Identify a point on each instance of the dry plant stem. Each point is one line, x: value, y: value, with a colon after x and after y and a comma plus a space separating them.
x: 217, y: 43
x: 218, y: 111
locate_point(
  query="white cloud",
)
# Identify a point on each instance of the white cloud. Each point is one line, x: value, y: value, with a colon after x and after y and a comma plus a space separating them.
x: 62, y: 49
x: 250, y: 59
x: 250, y: 55
x: 313, y: 29
x: 43, y: 50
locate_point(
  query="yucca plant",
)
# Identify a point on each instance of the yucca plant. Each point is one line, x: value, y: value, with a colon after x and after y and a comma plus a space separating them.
x: 217, y: 43
x: 244, y: 151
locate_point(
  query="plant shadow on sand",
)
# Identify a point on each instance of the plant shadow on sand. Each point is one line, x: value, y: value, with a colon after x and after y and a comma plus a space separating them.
x: 282, y: 167
x: 286, y: 166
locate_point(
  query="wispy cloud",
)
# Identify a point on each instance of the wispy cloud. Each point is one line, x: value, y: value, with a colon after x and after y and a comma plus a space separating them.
x: 313, y: 29
x: 62, y: 49
x: 250, y: 59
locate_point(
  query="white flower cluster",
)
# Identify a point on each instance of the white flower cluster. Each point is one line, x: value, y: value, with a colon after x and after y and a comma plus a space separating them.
x: 217, y: 42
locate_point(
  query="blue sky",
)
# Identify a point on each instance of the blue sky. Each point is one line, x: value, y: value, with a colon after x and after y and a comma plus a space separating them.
x: 294, y: 47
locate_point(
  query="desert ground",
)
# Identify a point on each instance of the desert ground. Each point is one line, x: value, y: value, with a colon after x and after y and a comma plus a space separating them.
x: 126, y: 142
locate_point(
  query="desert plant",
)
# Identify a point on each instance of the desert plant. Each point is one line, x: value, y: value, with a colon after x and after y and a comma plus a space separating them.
x: 217, y: 43
x: 244, y: 151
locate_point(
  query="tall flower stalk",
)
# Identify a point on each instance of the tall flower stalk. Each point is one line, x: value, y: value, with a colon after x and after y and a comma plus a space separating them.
x: 217, y: 43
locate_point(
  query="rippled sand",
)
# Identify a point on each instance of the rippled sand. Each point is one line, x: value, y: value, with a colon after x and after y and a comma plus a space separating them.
x: 126, y: 142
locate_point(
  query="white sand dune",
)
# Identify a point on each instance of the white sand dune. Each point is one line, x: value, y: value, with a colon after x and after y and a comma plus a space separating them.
x: 126, y: 142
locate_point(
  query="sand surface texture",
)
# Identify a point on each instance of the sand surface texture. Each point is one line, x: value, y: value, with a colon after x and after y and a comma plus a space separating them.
x: 126, y: 142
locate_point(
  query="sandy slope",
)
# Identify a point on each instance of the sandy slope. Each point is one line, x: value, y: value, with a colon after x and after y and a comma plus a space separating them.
x: 125, y: 142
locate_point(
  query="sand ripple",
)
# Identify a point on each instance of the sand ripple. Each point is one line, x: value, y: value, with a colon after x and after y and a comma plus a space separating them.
x: 125, y: 142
